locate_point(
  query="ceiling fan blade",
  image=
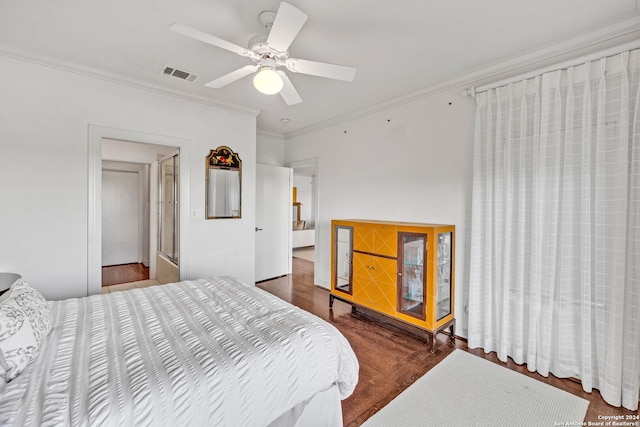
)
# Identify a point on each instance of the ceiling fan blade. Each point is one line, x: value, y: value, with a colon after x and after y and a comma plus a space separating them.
x: 321, y: 69
x: 289, y: 20
x: 288, y: 93
x: 232, y: 76
x: 179, y: 28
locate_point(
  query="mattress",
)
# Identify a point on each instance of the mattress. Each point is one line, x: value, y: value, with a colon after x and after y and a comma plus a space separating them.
x: 216, y: 352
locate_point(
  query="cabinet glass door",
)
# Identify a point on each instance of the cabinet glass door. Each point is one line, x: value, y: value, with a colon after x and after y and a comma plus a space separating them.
x: 412, y: 284
x: 443, y: 288
x: 344, y: 263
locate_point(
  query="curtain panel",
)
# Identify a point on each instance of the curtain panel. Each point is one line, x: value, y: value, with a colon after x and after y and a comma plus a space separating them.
x: 555, y: 236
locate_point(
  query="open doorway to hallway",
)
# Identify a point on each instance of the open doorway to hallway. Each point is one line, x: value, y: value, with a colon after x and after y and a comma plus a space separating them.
x: 305, y: 208
x: 304, y: 231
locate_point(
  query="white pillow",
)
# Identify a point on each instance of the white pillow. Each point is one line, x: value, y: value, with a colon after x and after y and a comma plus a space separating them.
x: 25, y: 321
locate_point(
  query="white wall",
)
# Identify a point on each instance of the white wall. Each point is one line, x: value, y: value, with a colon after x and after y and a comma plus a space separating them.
x: 412, y: 163
x: 45, y: 113
x: 125, y: 151
x: 270, y: 149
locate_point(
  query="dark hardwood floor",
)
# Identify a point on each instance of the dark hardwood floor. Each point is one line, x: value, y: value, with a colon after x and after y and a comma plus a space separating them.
x: 125, y: 273
x: 391, y: 359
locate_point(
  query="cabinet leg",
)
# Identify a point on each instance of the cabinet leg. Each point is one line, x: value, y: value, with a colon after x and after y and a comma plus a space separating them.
x: 432, y: 346
x: 452, y: 328
x: 353, y: 309
x: 331, y: 297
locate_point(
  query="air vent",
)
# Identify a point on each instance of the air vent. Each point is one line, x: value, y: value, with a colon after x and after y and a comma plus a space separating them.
x: 183, y: 75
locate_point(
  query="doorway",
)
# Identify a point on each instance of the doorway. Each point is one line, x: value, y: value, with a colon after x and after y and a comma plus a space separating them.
x: 305, y: 179
x: 125, y: 223
x: 131, y: 191
x: 132, y: 147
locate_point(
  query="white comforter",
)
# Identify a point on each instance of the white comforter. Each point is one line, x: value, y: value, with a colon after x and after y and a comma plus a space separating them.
x: 213, y: 352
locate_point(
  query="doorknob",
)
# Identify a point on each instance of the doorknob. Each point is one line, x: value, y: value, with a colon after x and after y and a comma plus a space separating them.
x: 258, y: 229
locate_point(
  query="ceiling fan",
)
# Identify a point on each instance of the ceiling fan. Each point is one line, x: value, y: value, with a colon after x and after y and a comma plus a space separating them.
x: 268, y: 53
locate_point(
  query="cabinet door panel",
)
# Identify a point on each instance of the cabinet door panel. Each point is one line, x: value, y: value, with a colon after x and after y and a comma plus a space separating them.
x: 342, y: 262
x: 412, y: 281
x: 443, y: 276
x: 375, y: 239
x: 374, y: 282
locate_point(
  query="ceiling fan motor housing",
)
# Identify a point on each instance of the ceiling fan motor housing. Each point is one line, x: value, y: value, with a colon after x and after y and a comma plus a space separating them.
x: 268, y: 63
x: 259, y: 45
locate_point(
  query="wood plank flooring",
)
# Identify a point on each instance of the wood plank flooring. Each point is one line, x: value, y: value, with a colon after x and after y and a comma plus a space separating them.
x: 125, y: 273
x: 392, y: 359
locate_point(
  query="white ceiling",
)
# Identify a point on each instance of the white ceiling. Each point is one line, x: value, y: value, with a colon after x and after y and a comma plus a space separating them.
x: 399, y: 47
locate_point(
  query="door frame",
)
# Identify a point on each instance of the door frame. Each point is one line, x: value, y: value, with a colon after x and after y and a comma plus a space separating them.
x: 312, y: 166
x: 138, y: 170
x: 94, y: 187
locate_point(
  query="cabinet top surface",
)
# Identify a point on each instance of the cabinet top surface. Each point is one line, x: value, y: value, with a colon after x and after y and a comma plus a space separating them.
x: 397, y: 223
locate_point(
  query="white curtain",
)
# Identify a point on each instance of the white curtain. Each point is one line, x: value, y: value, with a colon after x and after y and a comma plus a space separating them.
x: 555, y: 245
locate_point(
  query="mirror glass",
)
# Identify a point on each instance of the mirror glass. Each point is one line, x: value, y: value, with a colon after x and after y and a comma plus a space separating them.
x: 224, y: 184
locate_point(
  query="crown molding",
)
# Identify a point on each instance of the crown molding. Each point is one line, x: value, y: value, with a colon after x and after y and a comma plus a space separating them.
x: 624, y: 34
x: 607, y: 41
x: 86, y: 71
x: 620, y: 34
x: 270, y: 134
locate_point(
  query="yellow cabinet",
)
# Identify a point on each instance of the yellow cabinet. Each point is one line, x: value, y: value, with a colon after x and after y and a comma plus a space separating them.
x: 378, y: 239
x: 402, y: 270
x: 374, y: 282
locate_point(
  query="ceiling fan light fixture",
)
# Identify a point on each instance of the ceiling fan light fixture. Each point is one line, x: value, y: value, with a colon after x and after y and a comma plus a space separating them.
x: 268, y: 52
x: 267, y: 81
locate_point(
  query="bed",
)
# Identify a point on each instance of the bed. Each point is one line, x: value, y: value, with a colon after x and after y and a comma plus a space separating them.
x: 214, y: 352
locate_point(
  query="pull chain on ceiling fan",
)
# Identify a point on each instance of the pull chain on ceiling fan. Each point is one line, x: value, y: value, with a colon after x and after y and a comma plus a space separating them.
x: 270, y: 52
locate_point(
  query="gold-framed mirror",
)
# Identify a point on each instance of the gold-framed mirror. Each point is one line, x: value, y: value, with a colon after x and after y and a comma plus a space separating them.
x: 223, y: 197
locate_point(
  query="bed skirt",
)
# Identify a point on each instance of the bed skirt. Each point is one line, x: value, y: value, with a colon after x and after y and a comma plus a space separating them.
x: 323, y: 410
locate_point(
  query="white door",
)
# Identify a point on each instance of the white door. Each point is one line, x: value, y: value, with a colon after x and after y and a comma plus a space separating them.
x: 273, y: 221
x: 120, y: 215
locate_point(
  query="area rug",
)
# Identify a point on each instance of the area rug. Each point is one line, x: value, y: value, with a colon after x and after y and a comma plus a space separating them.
x: 466, y: 390
x: 304, y: 253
